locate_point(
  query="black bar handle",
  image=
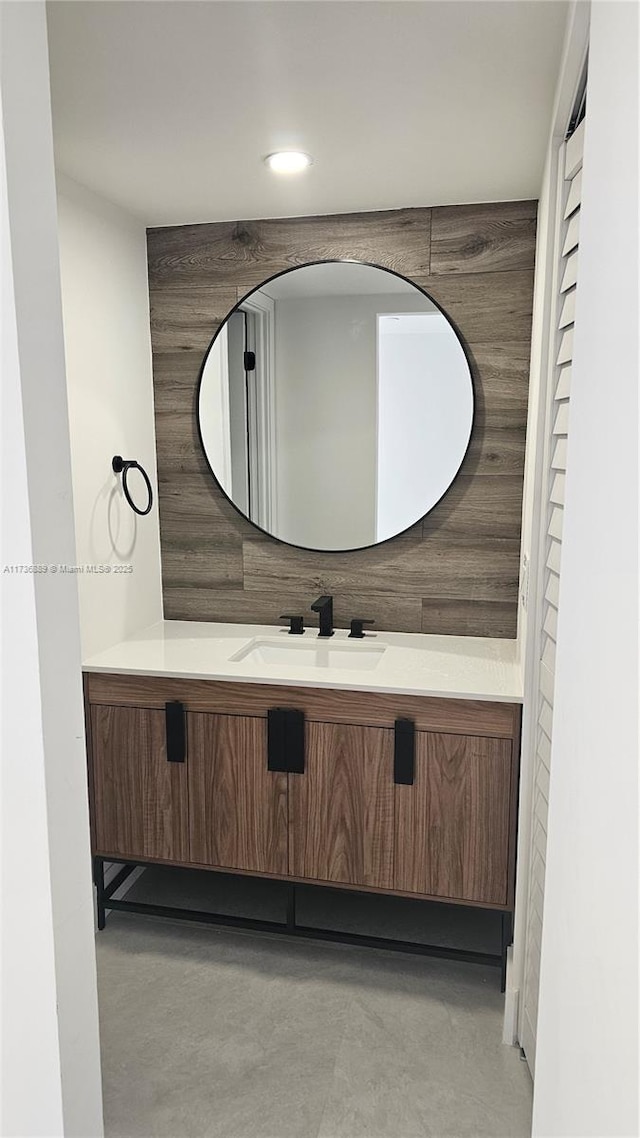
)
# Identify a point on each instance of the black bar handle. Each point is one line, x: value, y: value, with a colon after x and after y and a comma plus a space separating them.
x: 357, y: 627
x: 296, y: 623
x: 175, y: 727
x: 295, y: 742
x: 285, y: 740
x: 404, y: 752
x: 277, y: 739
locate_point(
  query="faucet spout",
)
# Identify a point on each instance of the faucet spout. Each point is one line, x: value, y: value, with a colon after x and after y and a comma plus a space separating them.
x: 324, y: 607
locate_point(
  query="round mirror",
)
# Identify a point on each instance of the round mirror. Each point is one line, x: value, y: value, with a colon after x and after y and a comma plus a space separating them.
x: 335, y: 405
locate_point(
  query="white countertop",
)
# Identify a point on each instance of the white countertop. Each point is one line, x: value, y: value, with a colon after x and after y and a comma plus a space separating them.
x: 460, y: 667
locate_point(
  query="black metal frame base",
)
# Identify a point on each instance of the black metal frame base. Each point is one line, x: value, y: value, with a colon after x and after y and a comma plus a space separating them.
x: 289, y: 926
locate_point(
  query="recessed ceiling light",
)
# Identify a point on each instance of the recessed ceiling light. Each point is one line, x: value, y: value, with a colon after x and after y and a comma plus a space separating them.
x: 288, y: 161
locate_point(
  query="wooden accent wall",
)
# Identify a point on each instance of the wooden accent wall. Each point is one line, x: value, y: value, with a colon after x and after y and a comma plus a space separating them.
x: 456, y: 572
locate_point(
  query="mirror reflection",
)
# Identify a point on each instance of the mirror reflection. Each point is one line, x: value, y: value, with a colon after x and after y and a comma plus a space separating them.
x: 335, y: 405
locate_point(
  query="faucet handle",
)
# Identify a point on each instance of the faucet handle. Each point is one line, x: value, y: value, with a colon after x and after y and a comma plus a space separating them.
x: 357, y: 627
x: 296, y: 626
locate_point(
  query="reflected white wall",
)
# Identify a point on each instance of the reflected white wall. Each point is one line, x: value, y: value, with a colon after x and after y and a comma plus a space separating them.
x: 326, y: 416
x: 425, y: 412
x: 213, y: 410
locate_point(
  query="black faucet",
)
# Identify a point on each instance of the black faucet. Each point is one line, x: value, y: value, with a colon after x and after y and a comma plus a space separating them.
x: 324, y: 607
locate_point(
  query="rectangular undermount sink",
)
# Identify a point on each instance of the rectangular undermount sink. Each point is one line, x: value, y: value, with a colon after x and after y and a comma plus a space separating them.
x: 310, y: 654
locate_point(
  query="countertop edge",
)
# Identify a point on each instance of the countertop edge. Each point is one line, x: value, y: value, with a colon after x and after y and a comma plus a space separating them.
x: 290, y: 682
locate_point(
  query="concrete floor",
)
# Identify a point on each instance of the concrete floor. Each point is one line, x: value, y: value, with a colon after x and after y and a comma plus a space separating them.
x: 215, y: 1033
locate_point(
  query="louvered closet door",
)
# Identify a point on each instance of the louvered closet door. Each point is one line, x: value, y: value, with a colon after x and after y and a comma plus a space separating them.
x: 556, y: 464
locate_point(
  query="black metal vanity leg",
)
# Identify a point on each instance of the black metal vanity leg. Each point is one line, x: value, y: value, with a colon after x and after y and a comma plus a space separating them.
x: 98, y: 877
x: 507, y: 939
x: 291, y: 908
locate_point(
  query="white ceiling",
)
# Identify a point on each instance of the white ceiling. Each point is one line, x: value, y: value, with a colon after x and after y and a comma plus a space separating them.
x: 168, y: 108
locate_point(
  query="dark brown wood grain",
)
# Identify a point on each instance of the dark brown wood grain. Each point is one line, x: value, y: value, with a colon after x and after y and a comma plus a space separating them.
x: 341, y: 819
x: 139, y: 798
x: 450, y: 836
x: 237, y: 808
x: 477, y: 262
x: 452, y: 825
x: 379, y: 709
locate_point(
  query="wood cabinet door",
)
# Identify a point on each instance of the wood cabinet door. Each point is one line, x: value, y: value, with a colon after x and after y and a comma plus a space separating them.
x: 341, y: 808
x: 139, y: 798
x: 452, y: 825
x: 237, y: 807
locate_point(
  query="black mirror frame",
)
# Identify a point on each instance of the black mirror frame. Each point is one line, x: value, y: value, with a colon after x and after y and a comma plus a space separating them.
x: 238, y: 306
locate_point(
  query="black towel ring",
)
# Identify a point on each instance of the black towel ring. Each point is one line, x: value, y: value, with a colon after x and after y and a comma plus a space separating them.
x: 123, y: 466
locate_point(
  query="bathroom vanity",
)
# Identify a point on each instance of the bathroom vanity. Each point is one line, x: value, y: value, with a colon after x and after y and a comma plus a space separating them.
x: 385, y: 764
x: 336, y: 420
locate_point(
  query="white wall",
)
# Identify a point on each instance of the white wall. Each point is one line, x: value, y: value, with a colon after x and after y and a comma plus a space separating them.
x: 213, y: 410
x: 28, y: 960
x: 326, y: 420
x: 50, y: 1049
x: 587, y: 1060
x: 107, y: 343
x: 424, y: 412
x: 326, y: 416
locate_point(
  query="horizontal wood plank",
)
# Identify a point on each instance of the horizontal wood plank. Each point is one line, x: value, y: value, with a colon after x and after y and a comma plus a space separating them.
x: 483, y: 238
x: 188, y: 321
x: 326, y: 705
x: 470, y: 618
x: 501, y: 385
x: 489, y: 507
x: 391, y: 613
x: 200, y: 565
x: 246, y: 253
x: 429, y: 569
x: 193, y: 514
x: 485, y: 308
